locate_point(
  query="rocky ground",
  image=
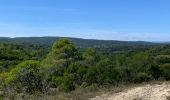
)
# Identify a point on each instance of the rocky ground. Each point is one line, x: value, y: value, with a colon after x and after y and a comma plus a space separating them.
x: 146, y: 92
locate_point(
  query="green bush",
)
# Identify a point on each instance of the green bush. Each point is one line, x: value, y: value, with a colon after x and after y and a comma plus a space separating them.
x: 142, y: 77
x: 165, y: 68
x: 25, y: 76
x: 67, y: 82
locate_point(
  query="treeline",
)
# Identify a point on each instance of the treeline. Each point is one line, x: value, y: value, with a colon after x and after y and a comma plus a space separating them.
x: 66, y: 68
x: 12, y: 54
x: 81, y: 43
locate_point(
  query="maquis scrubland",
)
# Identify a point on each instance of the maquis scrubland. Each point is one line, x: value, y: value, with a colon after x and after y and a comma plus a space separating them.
x: 36, y: 69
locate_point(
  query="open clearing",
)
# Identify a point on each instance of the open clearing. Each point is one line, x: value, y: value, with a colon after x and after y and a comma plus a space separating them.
x: 145, y: 92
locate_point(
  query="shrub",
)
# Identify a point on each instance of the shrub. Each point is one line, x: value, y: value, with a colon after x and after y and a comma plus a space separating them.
x: 25, y: 76
x: 165, y: 71
x: 142, y: 77
x: 67, y: 82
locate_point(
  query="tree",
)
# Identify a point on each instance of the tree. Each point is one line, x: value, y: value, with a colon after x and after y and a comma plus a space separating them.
x: 109, y: 72
x: 140, y: 66
x: 91, y: 56
x: 63, y: 53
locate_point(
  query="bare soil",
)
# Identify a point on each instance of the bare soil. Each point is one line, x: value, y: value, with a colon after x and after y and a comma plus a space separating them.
x: 145, y: 92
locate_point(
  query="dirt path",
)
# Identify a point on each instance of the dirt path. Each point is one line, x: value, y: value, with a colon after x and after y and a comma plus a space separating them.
x: 146, y: 92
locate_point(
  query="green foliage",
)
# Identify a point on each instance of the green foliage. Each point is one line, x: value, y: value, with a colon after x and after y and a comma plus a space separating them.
x: 63, y: 53
x: 91, y: 56
x: 67, y: 82
x: 163, y: 59
x: 25, y: 76
x: 82, y: 43
x: 13, y: 54
x: 66, y: 67
x: 165, y: 68
x: 140, y: 65
x: 142, y: 77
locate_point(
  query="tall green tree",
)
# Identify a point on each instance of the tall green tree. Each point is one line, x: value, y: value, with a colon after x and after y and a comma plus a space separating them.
x: 63, y: 53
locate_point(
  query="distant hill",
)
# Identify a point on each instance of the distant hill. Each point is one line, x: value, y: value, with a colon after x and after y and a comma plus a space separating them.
x: 82, y: 43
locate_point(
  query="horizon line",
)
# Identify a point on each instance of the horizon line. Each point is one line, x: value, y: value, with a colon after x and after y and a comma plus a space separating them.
x: 161, y: 41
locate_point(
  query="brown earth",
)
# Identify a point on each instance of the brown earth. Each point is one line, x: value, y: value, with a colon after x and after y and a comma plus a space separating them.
x: 145, y: 92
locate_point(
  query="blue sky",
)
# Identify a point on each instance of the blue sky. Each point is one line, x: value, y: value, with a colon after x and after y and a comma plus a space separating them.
x: 146, y: 20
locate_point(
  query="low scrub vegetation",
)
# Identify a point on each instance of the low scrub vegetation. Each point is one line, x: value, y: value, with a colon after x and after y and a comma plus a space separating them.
x: 66, y: 68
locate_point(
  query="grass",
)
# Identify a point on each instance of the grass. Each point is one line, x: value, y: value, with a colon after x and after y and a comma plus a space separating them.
x: 78, y: 94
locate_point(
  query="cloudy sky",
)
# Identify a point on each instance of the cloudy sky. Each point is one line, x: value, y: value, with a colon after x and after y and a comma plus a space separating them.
x: 146, y: 20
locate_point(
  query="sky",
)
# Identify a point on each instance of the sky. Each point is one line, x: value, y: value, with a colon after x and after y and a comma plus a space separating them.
x: 131, y: 20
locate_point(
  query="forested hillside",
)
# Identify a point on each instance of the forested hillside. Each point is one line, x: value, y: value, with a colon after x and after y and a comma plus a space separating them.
x: 107, y: 46
x: 31, y: 69
x: 82, y: 43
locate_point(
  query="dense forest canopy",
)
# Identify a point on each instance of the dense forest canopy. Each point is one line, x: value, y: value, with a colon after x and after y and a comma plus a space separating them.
x: 48, y: 41
x: 35, y: 68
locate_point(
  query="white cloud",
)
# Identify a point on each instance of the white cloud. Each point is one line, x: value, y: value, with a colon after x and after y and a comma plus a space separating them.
x: 18, y: 30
